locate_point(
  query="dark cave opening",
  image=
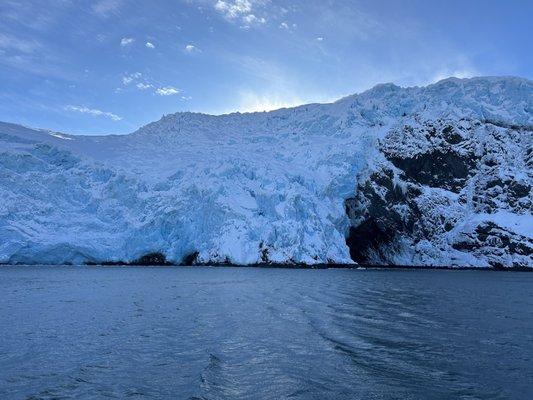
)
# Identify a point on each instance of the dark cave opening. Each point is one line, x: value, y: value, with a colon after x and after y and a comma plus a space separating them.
x: 366, y: 241
x: 190, y: 259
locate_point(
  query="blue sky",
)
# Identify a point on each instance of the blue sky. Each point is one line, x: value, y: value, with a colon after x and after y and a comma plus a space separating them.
x: 110, y: 66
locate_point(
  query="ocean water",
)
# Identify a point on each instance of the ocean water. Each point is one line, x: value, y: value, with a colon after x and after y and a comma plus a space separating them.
x: 252, y: 333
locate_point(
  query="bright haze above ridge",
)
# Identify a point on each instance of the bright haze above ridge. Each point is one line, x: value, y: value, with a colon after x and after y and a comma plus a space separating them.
x: 110, y: 66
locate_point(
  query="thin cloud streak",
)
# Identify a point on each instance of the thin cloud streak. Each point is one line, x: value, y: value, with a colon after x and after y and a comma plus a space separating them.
x: 93, y: 111
x: 126, y: 41
x: 105, y: 8
x: 167, y: 91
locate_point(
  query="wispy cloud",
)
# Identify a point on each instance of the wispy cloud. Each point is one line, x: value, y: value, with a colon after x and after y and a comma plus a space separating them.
x: 288, y: 27
x: 93, y: 111
x: 141, y: 82
x: 31, y: 56
x: 233, y: 9
x: 250, y: 20
x: 129, y: 78
x: 104, y: 8
x: 32, y: 15
x: 167, y: 91
x: 8, y: 42
x: 143, y: 86
x: 150, y: 45
x: 190, y: 48
x: 240, y: 11
x: 126, y: 41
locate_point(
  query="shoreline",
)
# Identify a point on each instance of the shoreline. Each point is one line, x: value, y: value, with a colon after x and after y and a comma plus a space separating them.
x: 281, y: 266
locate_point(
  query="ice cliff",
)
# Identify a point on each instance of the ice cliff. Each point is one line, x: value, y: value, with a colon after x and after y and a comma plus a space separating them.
x: 436, y: 175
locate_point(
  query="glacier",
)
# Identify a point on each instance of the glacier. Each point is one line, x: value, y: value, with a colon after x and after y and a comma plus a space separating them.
x: 439, y: 175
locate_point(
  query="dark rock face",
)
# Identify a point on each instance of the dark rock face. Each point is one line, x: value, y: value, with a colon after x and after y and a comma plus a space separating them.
x: 500, y: 241
x: 151, y: 259
x: 190, y: 259
x: 439, y: 154
x: 436, y: 168
x: 439, y: 193
x: 380, y: 207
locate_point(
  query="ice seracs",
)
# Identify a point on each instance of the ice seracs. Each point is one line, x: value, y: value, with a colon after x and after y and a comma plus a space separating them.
x: 414, y: 176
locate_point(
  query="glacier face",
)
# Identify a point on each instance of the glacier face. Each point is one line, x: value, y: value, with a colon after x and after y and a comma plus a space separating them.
x: 436, y: 175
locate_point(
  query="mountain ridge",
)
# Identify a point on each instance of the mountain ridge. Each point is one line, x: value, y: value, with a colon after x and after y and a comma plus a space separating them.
x: 309, y: 184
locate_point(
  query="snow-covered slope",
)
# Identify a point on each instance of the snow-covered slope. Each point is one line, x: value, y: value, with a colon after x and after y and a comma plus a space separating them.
x: 439, y: 175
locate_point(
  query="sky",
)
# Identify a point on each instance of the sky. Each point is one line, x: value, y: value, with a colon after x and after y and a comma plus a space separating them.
x: 111, y: 66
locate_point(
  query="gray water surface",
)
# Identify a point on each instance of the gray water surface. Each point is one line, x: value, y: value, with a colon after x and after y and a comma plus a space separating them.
x: 253, y: 333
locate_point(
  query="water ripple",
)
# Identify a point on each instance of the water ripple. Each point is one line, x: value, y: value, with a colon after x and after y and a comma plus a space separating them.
x: 234, y: 333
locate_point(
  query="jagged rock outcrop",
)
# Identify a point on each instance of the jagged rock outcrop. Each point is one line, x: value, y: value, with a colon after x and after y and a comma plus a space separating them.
x: 454, y: 196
